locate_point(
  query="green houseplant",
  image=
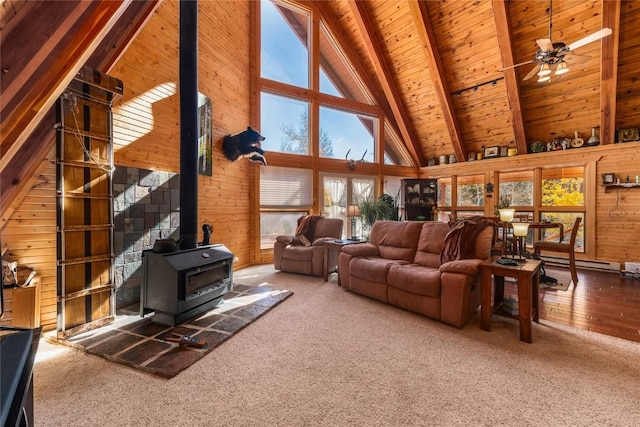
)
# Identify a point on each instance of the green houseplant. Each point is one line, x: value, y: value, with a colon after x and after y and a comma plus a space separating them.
x: 385, y: 208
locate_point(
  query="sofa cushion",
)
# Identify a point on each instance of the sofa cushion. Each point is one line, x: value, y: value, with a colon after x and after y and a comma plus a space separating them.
x: 430, y: 244
x: 298, y: 253
x: 396, y: 240
x: 372, y: 269
x: 416, y: 279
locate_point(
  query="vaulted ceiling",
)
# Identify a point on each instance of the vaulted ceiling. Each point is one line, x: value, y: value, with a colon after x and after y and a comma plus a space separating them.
x: 434, y: 65
x: 438, y: 64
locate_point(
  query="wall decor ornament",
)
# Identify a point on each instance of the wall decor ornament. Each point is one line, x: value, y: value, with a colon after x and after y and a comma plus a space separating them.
x: 628, y: 135
x: 490, y: 152
x: 205, y: 136
x: 244, y: 144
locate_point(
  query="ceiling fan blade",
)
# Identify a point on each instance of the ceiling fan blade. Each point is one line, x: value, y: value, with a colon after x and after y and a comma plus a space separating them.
x: 516, y: 65
x: 545, y: 44
x: 532, y: 73
x: 570, y: 58
x: 590, y: 38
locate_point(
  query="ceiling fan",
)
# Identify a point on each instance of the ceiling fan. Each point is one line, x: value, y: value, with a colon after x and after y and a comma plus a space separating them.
x: 558, y: 55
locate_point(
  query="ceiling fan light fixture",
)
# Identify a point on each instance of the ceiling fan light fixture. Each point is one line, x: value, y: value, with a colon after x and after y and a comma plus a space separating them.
x: 544, y: 69
x: 545, y: 78
x: 562, y: 68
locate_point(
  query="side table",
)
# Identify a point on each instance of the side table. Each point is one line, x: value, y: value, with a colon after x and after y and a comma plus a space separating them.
x: 527, y: 274
x: 334, y: 245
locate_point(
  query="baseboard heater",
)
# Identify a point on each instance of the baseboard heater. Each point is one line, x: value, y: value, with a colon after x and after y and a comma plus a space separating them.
x: 583, y: 263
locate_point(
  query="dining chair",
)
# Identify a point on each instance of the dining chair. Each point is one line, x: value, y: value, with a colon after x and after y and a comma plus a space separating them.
x: 568, y: 248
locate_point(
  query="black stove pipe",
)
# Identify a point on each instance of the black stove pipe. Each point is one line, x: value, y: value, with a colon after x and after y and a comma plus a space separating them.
x: 188, y: 81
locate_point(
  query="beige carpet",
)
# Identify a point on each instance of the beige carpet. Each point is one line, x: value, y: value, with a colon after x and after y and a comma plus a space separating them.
x: 329, y: 357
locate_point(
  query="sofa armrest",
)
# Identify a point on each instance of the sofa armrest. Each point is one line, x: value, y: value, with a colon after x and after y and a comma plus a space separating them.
x: 462, y: 266
x: 320, y: 241
x: 361, y: 249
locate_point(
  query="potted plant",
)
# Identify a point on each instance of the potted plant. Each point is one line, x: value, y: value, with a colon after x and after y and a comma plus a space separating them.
x: 385, y: 208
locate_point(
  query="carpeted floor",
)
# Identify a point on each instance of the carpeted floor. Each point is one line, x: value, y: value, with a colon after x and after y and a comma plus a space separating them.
x: 329, y: 357
x: 141, y: 343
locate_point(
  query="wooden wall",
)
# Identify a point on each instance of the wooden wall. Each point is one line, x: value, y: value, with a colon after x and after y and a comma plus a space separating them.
x: 147, y: 117
x: 612, y: 236
x: 29, y: 235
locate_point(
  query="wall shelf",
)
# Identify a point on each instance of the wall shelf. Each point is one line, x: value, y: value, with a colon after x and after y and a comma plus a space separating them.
x: 622, y: 185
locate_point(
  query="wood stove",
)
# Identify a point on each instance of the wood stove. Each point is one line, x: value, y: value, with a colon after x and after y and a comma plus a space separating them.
x: 180, y: 285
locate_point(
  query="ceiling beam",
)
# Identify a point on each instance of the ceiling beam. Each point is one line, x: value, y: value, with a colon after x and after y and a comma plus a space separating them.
x: 34, y: 88
x: 503, y: 32
x: 16, y: 173
x: 436, y: 68
x: 347, y: 50
x: 609, y: 71
x: 385, y: 76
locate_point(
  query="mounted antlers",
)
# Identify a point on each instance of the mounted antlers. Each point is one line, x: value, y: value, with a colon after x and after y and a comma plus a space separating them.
x: 352, y: 163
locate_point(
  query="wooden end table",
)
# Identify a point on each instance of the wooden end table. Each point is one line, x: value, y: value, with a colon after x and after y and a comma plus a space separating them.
x: 334, y: 245
x: 527, y: 274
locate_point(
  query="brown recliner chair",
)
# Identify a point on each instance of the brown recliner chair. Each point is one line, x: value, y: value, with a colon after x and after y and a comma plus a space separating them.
x: 304, y: 253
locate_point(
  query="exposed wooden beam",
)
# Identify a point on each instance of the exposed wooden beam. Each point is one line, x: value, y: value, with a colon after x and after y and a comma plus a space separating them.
x: 436, y: 68
x: 15, y: 176
x: 348, y: 51
x: 503, y: 32
x: 386, y: 79
x: 35, y: 88
x: 609, y: 71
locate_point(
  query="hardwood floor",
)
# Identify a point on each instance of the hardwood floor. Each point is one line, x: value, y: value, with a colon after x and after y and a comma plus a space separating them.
x: 602, y: 302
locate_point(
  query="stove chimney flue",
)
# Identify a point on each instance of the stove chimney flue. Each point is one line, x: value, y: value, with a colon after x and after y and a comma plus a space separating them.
x: 188, y: 82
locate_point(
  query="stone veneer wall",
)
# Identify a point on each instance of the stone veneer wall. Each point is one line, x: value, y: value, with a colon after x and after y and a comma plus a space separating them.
x: 146, y: 207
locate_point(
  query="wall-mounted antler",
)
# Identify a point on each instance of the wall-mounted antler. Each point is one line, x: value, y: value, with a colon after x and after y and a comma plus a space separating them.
x: 351, y: 165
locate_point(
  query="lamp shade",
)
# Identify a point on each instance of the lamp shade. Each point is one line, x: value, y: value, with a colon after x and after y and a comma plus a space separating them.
x: 506, y: 214
x: 562, y: 68
x: 544, y: 69
x: 353, y: 210
x: 520, y: 229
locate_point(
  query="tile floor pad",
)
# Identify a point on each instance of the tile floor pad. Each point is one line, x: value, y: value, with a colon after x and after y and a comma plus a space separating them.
x: 140, y: 343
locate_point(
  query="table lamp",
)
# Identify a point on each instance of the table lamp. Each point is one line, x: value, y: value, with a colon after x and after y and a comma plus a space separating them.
x: 506, y: 216
x: 353, y: 211
x: 520, y: 230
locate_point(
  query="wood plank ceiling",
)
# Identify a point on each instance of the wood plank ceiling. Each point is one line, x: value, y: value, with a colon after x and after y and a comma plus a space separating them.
x: 429, y: 56
x: 421, y: 61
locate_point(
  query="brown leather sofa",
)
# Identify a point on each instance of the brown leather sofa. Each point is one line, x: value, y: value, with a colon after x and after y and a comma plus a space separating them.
x: 290, y: 254
x: 401, y: 265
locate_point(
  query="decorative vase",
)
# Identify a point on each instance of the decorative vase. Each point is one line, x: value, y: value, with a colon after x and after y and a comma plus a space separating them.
x: 593, y: 140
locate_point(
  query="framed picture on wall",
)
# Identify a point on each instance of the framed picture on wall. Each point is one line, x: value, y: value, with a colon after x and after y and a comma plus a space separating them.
x: 490, y: 152
x: 205, y: 136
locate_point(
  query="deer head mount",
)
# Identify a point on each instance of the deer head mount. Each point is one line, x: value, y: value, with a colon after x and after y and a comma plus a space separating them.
x: 351, y: 164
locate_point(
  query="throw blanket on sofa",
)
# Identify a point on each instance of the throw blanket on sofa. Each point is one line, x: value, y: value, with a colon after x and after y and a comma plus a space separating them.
x: 306, y: 228
x: 459, y: 243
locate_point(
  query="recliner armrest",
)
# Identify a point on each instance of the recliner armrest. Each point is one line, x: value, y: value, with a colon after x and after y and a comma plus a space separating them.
x: 361, y: 249
x: 289, y: 240
x: 320, y: 241
x: 462, y: 266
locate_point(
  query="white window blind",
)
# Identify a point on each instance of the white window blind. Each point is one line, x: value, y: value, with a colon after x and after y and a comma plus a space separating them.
x: 284, y: 187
